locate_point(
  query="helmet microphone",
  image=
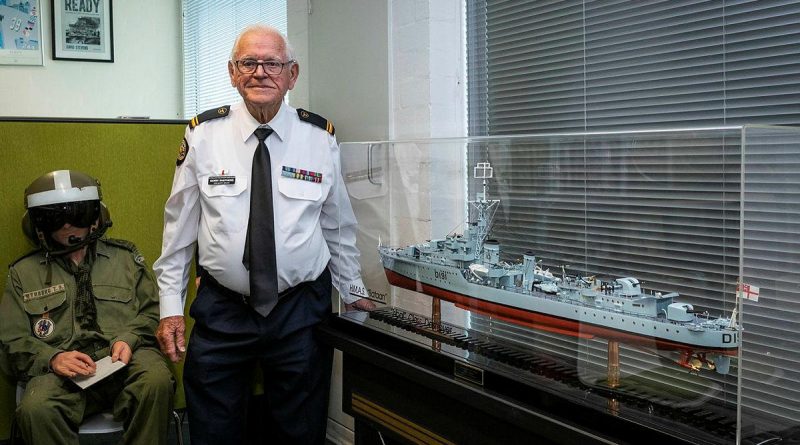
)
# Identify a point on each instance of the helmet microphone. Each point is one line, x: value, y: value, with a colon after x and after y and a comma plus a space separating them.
x: 72, y: 240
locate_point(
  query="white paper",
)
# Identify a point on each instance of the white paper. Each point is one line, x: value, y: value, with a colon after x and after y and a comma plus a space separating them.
x: 104, y: 369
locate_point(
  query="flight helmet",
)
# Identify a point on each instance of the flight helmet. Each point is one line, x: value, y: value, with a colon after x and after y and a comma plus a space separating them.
x: 60, y: 197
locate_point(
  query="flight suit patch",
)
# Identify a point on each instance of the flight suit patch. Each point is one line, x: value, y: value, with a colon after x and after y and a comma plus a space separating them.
x: 43, y: 328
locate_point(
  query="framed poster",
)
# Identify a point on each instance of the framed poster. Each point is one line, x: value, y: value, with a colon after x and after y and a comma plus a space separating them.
x: 82, y: 30
x: 20, y: 32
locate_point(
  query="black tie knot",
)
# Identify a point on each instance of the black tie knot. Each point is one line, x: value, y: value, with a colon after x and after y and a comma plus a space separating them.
x: 262, y: 133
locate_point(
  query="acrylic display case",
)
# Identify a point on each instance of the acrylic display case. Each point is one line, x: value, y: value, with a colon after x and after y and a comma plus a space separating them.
x: 651, y: 275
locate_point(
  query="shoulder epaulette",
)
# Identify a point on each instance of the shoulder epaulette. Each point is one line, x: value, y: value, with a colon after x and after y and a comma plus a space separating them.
x: 127, y: 245
x: 32, y: 252
x: 317, y: 120
x: 209, y: 115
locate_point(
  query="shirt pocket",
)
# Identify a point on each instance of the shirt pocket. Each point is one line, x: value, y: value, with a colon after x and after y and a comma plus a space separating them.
x: 220, y: 199
x: 50, y: 303
x: 299, y: 204
x: 115, y: 307
x: 49, y: 317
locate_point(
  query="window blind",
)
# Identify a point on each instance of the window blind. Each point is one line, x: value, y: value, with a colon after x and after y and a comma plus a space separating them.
x: 209, y: 30
x: 554, y: 66
x: 667, y: 211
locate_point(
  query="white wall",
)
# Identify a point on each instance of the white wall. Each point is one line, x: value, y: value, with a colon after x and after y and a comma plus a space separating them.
x: 297, y: 33
x: 348, y: 47
x: 427, y: 69
x: 143, y: 80
x: 382, y: 69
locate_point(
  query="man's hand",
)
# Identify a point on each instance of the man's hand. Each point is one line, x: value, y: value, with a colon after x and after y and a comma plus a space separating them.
x: 72, y: 363
x: 362, y: 304
x: 170, y: 334
x: 121, y: 351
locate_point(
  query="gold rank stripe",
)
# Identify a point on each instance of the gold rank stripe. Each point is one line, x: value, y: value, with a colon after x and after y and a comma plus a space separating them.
x: 400, y: 425
x: 194, y: 122
x: 329, y: 128
x: 41, y: 293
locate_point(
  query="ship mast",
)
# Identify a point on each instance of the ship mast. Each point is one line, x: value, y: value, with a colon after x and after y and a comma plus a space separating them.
x: 485, y: 208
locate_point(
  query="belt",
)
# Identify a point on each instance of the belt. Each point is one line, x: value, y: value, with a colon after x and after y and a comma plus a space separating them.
x: 207, y: 280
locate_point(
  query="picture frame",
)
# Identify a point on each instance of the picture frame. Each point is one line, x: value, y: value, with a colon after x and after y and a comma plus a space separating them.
x: 21, y: 32
x: 83, y: 30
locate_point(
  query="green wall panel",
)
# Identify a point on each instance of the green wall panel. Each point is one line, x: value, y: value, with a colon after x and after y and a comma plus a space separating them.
x: 134, y: 163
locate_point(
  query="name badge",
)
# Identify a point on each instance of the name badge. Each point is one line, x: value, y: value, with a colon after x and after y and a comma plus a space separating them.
x: 221, y: 180
x: 41, y: 293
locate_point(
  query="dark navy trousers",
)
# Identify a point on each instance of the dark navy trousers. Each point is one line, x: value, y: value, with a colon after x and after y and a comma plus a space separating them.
x: 229, y: 340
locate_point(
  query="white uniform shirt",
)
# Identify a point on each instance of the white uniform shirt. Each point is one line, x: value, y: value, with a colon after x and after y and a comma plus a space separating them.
x: 210, y: 204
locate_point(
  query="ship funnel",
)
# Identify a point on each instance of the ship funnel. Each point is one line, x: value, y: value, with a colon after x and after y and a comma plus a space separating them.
x: 491, y: 252
x: 528, y: 266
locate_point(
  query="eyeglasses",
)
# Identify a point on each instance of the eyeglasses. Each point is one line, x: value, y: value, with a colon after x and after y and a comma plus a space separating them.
x: 53, y: 217
x: 271, y: 67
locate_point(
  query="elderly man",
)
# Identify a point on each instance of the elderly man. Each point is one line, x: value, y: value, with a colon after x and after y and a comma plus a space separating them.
x: 77, y: 298
x: 258, y: 187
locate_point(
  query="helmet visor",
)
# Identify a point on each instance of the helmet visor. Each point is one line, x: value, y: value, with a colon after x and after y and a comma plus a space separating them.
x: 52, y: 217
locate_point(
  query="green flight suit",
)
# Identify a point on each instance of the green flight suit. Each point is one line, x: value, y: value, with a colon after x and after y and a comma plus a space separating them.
x: 40, y: 317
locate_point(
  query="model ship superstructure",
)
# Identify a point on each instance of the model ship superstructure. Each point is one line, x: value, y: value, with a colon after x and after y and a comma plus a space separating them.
x: 466, y: 269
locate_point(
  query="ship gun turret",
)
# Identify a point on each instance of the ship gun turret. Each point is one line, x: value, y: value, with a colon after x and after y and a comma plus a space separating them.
x: 680, y: 312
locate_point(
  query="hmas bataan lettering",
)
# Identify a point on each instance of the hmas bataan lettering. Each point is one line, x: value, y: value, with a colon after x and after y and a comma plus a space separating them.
x: 368, y: 293
x: 380, y: 297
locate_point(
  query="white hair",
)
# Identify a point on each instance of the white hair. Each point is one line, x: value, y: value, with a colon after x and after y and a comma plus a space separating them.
x: 264, y: 29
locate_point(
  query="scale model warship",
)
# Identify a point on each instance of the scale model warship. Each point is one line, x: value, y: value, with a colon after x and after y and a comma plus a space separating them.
x: 466, y: 269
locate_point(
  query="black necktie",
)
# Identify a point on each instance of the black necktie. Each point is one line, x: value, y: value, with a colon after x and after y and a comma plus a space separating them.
x: 259, y: 247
